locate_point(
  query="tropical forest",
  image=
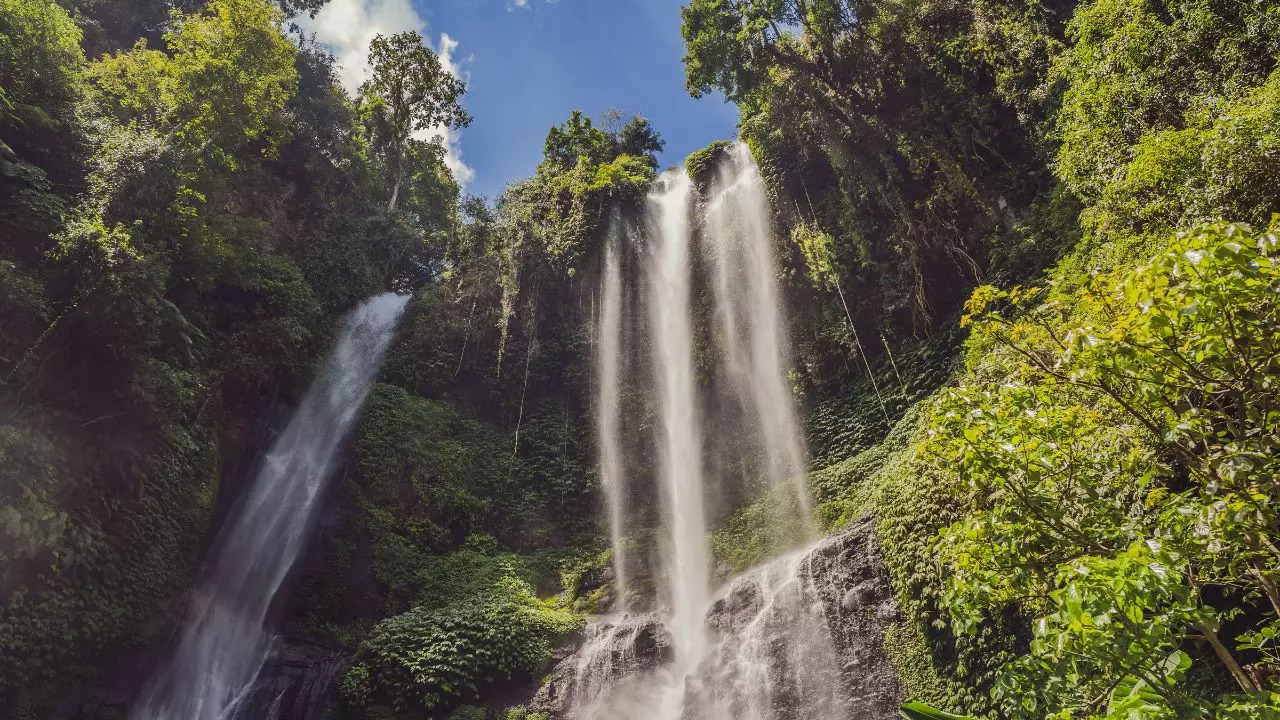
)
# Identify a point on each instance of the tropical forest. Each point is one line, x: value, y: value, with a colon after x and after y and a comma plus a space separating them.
x: 942, y: 383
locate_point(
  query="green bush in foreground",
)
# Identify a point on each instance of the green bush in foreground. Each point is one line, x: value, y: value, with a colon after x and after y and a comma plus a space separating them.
x: 432, y: 658
x: 1122, y: 472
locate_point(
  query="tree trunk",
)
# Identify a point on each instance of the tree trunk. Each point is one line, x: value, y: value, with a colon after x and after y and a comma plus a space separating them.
x: 395, y: 194
x: 1211, y: 636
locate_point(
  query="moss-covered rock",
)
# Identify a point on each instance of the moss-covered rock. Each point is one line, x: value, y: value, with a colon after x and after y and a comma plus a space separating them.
x: 701, y: 163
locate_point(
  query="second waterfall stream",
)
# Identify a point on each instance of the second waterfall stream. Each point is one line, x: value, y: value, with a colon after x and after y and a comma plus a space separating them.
x: 224, y: 640
x: 701, y: 307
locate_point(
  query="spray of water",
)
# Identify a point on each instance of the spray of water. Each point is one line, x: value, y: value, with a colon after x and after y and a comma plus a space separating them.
x: 739, y: 240
x: 224, y: 640
x: 774, y: 657
x: 608, y: 359
x: 687, y: 557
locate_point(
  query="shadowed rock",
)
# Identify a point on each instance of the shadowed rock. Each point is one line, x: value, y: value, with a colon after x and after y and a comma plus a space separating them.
x: 295, y: 683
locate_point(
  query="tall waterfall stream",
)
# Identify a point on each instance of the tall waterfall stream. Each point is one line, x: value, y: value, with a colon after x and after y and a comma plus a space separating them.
x: 780, y: 641
x: 224, y: 640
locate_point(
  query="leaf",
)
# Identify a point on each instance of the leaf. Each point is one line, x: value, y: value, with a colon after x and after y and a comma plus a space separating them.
x: 916, y: 710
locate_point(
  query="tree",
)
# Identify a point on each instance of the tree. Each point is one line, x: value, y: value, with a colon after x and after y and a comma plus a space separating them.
x: 880, y: 130
x: 637, y: 137
x: 410, y: 92
x: 222, y: 85
x: 575, y: 139
x: 41, y: 86
x: 733, y: 46
x: 579, y: 138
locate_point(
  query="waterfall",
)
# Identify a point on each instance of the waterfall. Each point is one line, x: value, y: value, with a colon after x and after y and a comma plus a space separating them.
x: 686, y: 555
x: 224, y: 640
x: 675, y: 663
x: 738, y: 238
x: 608, y: 360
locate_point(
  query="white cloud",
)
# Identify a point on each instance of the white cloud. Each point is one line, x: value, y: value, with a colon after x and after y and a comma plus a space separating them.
x: 513, y: 5
x: 347, y: 27
x: 462, y: 172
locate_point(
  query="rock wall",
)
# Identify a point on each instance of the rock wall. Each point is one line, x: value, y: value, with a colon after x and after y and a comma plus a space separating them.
x: 799, y: 638
x: 296, y: 683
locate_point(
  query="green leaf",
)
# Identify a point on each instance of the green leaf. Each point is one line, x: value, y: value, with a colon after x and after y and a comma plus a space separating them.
x: 916, y: 710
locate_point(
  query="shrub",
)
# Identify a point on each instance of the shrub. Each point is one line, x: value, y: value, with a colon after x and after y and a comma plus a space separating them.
x: 1121, y: 472
x: 430, y: 658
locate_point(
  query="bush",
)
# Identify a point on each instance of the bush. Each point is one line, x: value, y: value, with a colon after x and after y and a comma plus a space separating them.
x: 1120, y: 472
x: 429, y: 658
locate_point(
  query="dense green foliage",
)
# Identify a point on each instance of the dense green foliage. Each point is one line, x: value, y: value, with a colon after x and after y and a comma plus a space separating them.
x: 875, y: 126
x: 1126, y: 471
x: 425, y: 658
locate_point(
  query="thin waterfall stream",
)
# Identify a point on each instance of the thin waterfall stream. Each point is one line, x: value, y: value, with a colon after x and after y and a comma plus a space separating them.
x: 608, y: 360
x: 686, y: 556
x: 224, y: 640
x: 739, y: 238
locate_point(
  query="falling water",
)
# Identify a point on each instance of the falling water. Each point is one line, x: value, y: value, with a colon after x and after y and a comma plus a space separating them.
x: 687, y: 557
x: 224, y: 641
x: 765, y: 644
x: 609, y: 360
x: 621, y: 672
x: 774, y: 657
x: 738, y: 240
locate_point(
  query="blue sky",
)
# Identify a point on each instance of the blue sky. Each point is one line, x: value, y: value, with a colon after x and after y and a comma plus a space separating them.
x: 528, y: 63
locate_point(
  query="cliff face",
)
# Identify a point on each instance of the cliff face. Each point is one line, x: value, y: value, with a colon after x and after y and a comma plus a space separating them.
x: 851, y: 584
x: 799, y: 638
x: 296, y: 683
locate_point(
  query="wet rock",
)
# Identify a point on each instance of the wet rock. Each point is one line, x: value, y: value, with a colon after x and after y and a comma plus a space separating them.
x: 858, y: 605
x: 614, y: 649
x: 737, y: 607
x: 296, y: 683
x: 799, y: 638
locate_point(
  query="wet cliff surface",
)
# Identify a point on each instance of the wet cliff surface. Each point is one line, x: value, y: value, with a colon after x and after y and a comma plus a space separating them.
x: 296, y: 682
x: 799, y: 638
